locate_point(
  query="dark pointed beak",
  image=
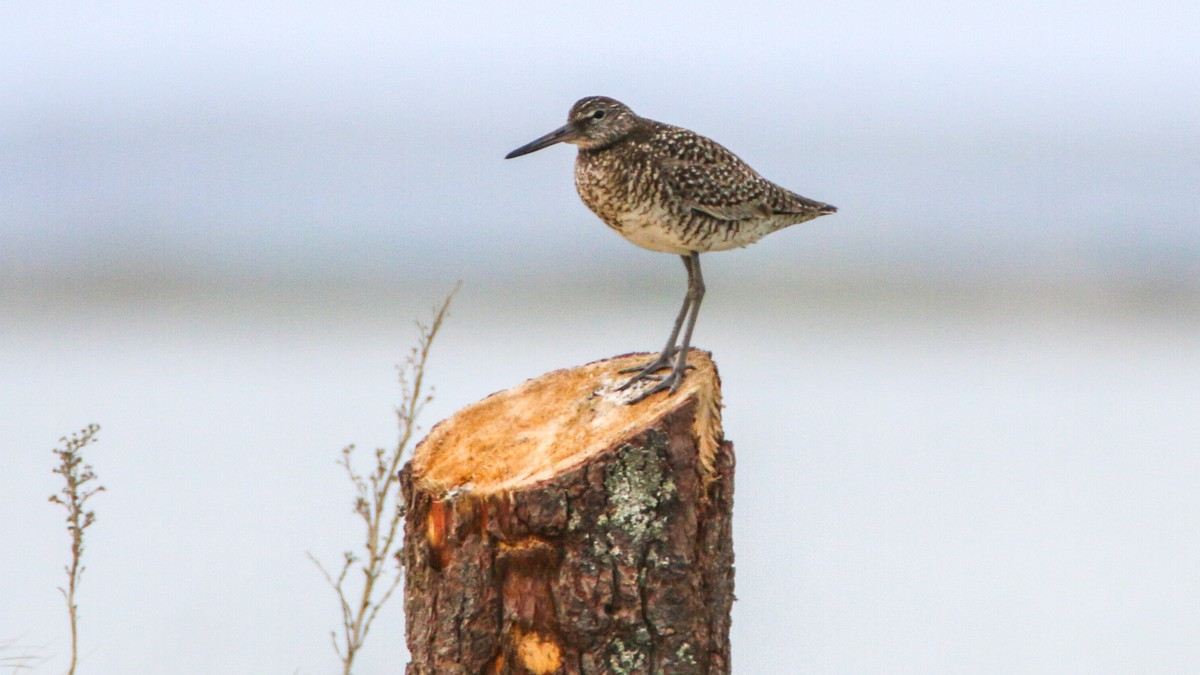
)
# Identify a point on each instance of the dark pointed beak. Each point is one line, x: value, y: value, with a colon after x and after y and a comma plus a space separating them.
x: 562, y: 134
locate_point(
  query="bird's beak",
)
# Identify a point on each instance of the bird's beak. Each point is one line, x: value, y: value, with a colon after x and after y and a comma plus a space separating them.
x: 563, y: 134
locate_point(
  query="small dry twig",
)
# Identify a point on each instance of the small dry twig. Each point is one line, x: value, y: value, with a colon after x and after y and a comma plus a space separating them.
x: 27, y: 659
x: 377, y: 502
x: 73, y: 496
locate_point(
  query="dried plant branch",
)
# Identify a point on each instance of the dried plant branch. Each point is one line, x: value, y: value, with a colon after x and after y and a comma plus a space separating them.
x: 73, y: 497
x: 27, y: 659
x: 377, y: 503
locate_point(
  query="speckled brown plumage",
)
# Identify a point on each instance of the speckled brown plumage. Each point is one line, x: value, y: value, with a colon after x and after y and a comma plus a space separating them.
x: 669, y: 189
x: 672, y: 190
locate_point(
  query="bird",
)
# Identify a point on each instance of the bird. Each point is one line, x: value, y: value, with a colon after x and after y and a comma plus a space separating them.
x: 670, y: 190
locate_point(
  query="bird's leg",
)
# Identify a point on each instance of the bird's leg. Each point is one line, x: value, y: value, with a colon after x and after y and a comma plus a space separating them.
x: 645, y: 372
x: 695, y: 295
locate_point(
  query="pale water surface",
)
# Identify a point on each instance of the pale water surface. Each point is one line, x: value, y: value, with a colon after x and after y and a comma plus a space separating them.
x: 928, y: 480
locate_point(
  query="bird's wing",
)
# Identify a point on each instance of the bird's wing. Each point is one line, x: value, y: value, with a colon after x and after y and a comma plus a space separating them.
x: 710, y: 179
x: 724, y: 191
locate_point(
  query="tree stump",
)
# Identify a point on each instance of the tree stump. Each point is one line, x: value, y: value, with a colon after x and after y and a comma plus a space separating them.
x: 552, y: 528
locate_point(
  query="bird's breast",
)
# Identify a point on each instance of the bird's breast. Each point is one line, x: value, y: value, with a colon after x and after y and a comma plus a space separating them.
x: 603, y: 190
x: 631, y: 203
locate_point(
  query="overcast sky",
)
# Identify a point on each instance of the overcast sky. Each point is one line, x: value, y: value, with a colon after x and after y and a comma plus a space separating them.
x: 276, y: 139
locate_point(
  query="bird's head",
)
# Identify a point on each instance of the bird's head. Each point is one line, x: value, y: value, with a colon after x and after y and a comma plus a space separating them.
x: 594, y: 122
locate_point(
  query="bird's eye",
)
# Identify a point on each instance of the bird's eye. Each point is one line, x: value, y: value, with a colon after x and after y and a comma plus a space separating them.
x: 599, y: 114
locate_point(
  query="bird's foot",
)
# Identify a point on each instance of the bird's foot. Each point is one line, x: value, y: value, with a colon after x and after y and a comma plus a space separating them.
x: 670, y: 382
x: 646, y: 371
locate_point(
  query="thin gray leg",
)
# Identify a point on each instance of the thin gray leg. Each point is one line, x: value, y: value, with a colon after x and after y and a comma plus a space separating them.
x: 664, y: 359
x: 694, y: 297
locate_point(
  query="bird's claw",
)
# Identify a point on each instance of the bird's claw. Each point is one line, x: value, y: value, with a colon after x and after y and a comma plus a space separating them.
x: 647, y: 371
x: 663, y: 361
x: 669, y: 382
x: 642, y: 374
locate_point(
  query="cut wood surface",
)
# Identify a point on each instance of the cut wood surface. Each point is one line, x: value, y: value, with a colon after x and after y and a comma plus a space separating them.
x: 553, y: 528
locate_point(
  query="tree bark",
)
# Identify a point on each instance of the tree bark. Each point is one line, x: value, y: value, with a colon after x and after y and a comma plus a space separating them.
x: 552, y: 528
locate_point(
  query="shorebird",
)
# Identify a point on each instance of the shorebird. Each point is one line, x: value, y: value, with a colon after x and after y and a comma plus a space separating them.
x: 671, y: 190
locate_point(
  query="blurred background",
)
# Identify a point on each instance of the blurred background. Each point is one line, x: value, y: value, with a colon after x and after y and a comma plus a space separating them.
x: 966, y: 407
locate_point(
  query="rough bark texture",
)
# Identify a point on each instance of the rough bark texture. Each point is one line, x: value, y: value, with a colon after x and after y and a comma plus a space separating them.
x: 622, y: 563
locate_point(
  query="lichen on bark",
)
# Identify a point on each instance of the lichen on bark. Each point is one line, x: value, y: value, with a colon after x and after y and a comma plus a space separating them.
x: 636, y: 484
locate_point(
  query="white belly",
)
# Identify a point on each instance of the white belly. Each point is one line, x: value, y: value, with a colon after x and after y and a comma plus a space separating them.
x: 647, y: 229
x: 650, y: 229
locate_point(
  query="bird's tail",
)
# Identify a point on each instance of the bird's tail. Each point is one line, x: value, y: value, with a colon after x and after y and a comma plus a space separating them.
x: 811, y: 205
